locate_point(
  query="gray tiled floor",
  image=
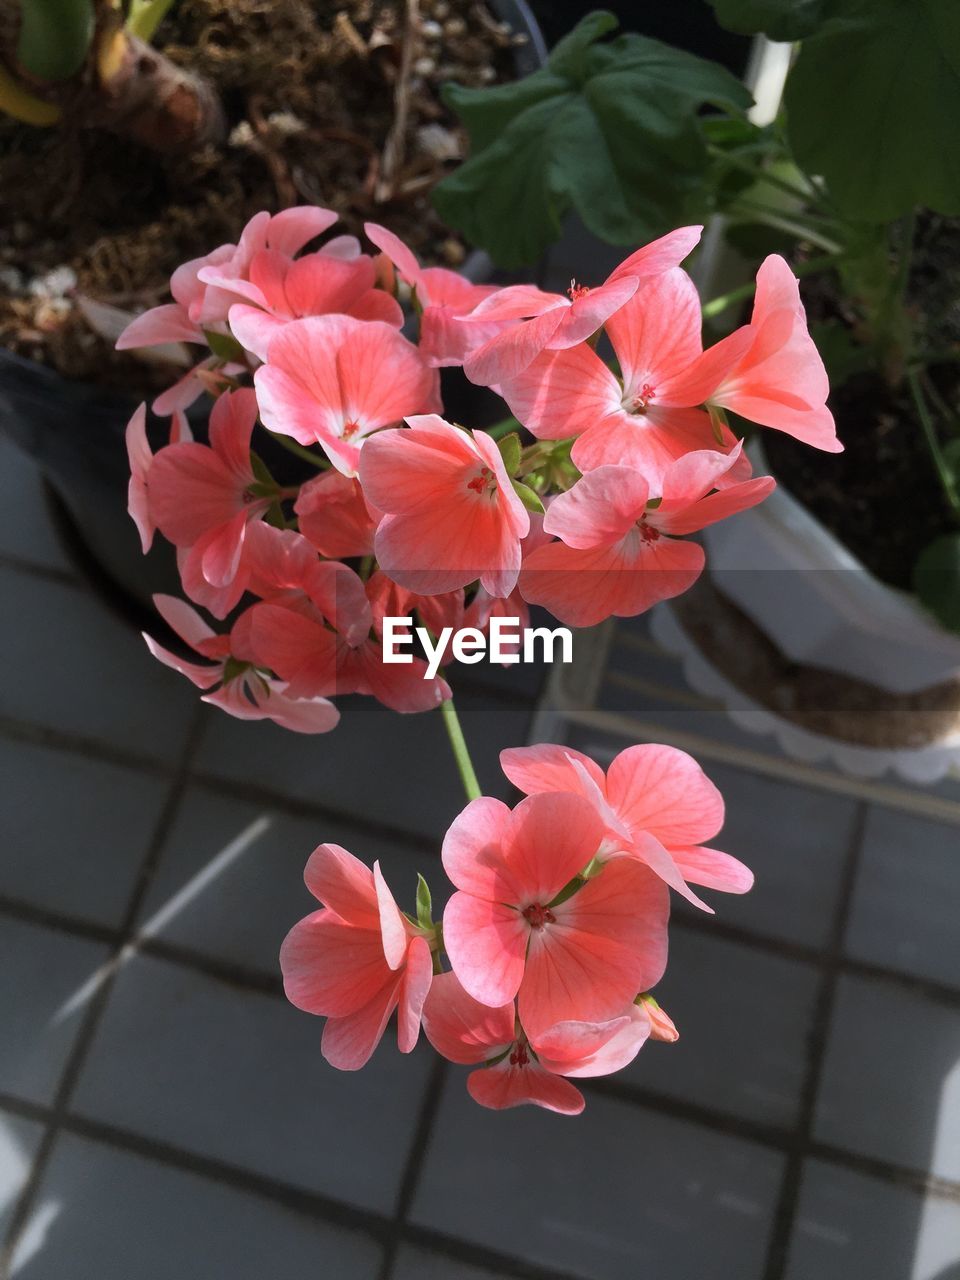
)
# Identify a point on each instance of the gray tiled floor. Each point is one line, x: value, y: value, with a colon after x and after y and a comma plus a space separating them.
x: 191, y: 1061
x: 850, y: 1226
x: 78, y: 670
x: 905, y: 909
x: 18, y: 1141
x: 25, y: 531
x: 115, y: 1216
x: 222, y: 855
x: 901, y: 1051
x: 199, y: 1069
x: 745, y: 1019
x: 44, y: 974
x: 83, y: 858
x: 616, y: 1193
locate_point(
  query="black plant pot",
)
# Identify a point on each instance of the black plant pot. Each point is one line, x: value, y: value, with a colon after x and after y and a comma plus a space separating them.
x: 75, y: 433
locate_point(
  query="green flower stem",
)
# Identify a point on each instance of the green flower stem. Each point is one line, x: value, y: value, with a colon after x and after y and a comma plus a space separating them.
x: 145, y: 16
x: 745, y: 291
x: 936, y: 453
x: 299, y: 451
x: 460, y: 753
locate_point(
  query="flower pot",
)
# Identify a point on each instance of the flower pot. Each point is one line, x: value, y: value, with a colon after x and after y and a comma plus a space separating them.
x: 798, y: 639
x: 75, y: 433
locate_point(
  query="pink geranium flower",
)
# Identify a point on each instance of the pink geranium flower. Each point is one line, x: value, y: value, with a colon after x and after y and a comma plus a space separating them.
x: 516, y: 1070
x: 452, y: 515
x: 203, y: 497
x: 332, y: 380
x: 770, y: 371
x: 335, y: 517
x: 509, y: 931
x: 648, y: 419
x: 441, y: 297
x: 280, y: 289
x: 619, y: 553
x: 291, y: 634
x: 657, y: 804
x: 243, y: 691
x: 355, y: 961
x: 549, y: 321
x: 199, y: 305
x: 140, y: 458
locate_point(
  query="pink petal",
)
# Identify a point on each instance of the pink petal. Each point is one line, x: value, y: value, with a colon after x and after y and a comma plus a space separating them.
x: 660, y: 255
x: 220, y: 551
x: 393, y: 929
x: 612, y: 1054
x: 348, y: 1043
x: 582, y: 588
x: 505, y: 1086
x: 402, y: 258
x: 599, y: 509
x: 182, y: 394
x: 562, y: 393
x: 713, y: 869
x: 664, y: 791
x: 547, y: 768
x: 414, y: 988
x: 649, y: 442
x: 186, y: 622
x: 289, y: 230
x: 345, y: 885
x: 473, y: 851
x: 486, y: 943
x: 140, y: 458
x: 192, y: 491
x: 200, y: 674
x: 657, y: 333
x: 609, y: 942
x: 517, y: 302
x: 254, y: 328
x: 506, y: 355
x: 591, y: 312
x: 299, y: 715
x: 462, y: 1029
x: 169, y: 323
x: 332, y: 968
x: 552, y: 837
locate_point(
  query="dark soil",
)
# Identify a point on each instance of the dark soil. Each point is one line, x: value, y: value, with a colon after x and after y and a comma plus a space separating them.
x: 882, y: 496
x: 309, y: 91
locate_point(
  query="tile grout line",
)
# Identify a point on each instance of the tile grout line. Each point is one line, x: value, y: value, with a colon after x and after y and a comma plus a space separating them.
x: 314, y: 1205
x: 415, y: 1159
x: 34, y: 569
x: 87, y: 1030
x: 237, y: 974
x: 778, y: 1248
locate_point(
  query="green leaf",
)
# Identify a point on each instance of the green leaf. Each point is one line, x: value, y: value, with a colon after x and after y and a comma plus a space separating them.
x: 529, y: 499
x: 936, y: 579
x: 54, y: 37
x: 873, y: 104
x: 778, y: 19
x: 611, y: 130
x: 509, y: 448
x: 424, y: 904
x: 224, y: 346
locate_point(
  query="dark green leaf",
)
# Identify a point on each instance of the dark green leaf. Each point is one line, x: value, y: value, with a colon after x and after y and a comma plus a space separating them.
x: 778, y: 19
x: 611, y: 130
x: 528, y: 497
x: 509, y: 448
x: 424, y: 904
x: 936, y: 579
x: 873, y: 104
x: 54, y: 37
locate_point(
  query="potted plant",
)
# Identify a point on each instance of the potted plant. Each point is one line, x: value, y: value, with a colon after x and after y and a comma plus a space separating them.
x: 136, y: 137
x: 839, y: 599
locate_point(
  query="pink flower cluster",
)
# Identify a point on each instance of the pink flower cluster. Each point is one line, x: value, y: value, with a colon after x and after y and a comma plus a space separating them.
x: 401, y: 512
x: 556, y: 932
x: 557, y: 928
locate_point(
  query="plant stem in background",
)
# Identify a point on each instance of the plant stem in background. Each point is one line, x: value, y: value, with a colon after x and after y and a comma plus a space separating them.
x: 145, y: 16
x: 460, y: 753
x: 744, y: 291
x: 936, y: 453
x: 299, y: 451
x: 500, y: 429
